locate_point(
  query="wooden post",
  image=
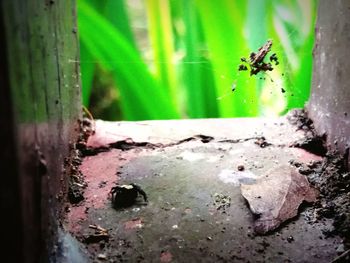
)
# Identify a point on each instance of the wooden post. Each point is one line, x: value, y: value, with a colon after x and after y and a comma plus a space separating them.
x: 329, y: 105
x: 40, y: 105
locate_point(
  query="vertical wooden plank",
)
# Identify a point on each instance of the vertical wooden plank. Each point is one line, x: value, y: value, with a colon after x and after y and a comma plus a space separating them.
x: 44, y: 103
x: 329, y: 105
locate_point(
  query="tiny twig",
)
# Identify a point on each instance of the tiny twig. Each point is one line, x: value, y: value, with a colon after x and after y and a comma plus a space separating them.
x: 99, y: 228
x: 342, y: 256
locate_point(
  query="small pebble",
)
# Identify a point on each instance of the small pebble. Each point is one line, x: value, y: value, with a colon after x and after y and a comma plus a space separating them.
x: 340, y: 249
x: 209, y: 238
x: 102, y: 256
x: 290, y: 239
x: 240, y: 167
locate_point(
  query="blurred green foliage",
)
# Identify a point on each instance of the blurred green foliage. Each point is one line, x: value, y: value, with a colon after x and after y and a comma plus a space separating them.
x: 166, y: 59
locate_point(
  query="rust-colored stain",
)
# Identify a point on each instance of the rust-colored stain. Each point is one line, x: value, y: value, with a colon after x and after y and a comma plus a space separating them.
x: 134, y: 223
x: 100, y: 176
x: 166, y: 256
x: 305, y: 156
x: 75, y: 216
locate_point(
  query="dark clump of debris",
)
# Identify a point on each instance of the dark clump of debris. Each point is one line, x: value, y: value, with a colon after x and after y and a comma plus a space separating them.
x: 256, y: 61
x: 87, y: 128
x: 222, y: 202
x: 299, y: 118
x: 333, y: 181
x: 76, y: 182
x: 330, y: 176
x: 261, y: 142
x: 312, y: 142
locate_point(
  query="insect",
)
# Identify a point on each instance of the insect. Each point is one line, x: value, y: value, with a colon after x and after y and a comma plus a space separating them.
x: 126, y: 195
x: 256, y: 60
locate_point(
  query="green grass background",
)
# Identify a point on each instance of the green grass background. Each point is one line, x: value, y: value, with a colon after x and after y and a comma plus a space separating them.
x: 169, y: 59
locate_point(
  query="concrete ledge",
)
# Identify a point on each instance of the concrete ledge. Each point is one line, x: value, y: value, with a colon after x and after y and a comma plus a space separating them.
x: 273, y: 129
x: 181, y: 221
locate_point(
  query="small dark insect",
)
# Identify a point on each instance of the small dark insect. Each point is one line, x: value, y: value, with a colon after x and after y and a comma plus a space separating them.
x: 126, y: 195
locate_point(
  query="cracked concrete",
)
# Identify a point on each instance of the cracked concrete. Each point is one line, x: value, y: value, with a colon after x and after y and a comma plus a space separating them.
x: 181, y: 165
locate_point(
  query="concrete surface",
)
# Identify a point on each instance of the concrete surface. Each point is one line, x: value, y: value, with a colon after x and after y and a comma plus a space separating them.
x: 181, y: 222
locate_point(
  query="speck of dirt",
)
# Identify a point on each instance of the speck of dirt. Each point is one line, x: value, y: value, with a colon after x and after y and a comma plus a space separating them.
x: 261, y: 142
x: 290, y: 239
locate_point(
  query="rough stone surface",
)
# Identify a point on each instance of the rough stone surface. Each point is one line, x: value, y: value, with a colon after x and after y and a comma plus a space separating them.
x: 183, y: 175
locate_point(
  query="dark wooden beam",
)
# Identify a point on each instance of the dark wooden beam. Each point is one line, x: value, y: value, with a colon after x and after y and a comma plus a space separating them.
x: 40, y: 105
x: 329, y: 106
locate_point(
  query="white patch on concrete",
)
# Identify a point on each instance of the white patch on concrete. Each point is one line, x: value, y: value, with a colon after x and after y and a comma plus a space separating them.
x: 191, y: 156
x: 235, y: 151
x: 213, y: 159
x: 237, y: 177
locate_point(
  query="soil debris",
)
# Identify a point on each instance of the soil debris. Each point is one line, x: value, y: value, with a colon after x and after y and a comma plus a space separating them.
x: 221, y: 201
x: 256, y: 62
x: 87, y: 128
x: 290, y: 239
x: 76, y: 182
x: 299, y: 118
x: 261, y: 142
x: 333, y: 181
x: 312, y: 142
